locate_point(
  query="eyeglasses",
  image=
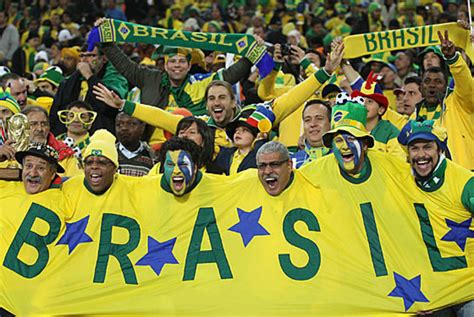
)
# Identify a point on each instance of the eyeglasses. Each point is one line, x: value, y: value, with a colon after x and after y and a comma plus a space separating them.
x: 85, y: 117
x: 272, y: 165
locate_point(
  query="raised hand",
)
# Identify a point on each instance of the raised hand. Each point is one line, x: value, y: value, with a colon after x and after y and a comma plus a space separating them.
x: 334, y: 58
x: 447, y: 47
x: 107, y: 96
x: 99, y: 21
x: 277, y: 55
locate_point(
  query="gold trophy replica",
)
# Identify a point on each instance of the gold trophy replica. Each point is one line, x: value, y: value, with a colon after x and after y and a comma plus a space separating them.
x: 18, y: 130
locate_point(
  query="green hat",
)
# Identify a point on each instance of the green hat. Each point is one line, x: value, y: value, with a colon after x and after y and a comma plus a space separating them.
x: 169, y: 51
x: 340, y: 8
x: 7, y: 101
x: 290, y: 5
x: 52, y: 75
x: 374, y: 6
x: 216, y: 24
x: 422, y: 130
x: 350, y: 117
x: 434, y: 49
x: 378, y: 57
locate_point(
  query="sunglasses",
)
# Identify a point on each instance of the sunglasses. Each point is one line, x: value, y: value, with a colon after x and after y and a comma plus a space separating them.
x: 85, y: 117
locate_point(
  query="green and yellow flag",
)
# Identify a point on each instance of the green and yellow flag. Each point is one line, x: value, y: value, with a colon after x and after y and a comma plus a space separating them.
x: 401, y: 39
x: 324, y: 247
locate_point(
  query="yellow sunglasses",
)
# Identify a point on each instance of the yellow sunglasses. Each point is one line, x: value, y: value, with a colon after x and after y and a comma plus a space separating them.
x: 85, y: 117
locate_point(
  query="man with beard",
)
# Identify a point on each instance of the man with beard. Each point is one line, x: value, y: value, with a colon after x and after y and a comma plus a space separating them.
x: 446, y: 184
x: 221, y: 103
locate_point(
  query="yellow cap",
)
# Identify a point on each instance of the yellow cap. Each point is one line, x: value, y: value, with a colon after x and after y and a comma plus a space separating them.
x: 102, y: 144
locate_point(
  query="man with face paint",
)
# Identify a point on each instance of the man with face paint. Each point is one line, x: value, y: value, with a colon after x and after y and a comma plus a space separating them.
x: 350, y: 140
x: 447, y: 184
x: 180, y: 165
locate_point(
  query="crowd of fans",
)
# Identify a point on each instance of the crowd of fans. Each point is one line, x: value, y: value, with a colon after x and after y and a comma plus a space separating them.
x: 51, y: 75
x: 129, y: 99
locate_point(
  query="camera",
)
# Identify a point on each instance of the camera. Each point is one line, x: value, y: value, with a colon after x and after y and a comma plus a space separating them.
x: 285, y: 49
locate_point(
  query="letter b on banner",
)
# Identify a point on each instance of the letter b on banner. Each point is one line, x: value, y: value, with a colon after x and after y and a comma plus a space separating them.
x: 24, y: 235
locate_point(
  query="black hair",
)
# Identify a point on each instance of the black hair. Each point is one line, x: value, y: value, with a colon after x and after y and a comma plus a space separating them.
x: 436, y: 69
x: 412, y: 80
x: 207, y: 147
x: 325, y: 103
x: 7, y: 77
x: 176, y: 144
x: 80, y: 104
x: 85, y: 46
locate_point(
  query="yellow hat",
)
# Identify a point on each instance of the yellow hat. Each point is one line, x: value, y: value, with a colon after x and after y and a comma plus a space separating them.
x: 74, y: 51
x: 103, y: 144
x: 7, y: 101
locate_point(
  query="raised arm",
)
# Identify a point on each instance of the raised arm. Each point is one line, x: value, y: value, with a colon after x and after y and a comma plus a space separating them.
x: 463, y: 81
x: 286, y: 104
x: 134, y: 73
x: 151, y: 115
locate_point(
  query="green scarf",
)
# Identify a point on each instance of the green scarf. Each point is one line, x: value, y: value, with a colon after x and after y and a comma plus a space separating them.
x: 240, y: 44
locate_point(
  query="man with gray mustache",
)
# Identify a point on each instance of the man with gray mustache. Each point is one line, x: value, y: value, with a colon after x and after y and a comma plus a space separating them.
x: 40, y: 165
x: 275, y: 168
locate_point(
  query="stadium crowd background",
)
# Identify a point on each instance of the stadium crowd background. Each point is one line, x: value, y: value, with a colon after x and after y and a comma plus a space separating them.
x: 36, y: 36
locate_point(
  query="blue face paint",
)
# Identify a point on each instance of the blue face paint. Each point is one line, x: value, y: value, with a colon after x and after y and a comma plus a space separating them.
x: 348, y: 151
x: 179, y: 171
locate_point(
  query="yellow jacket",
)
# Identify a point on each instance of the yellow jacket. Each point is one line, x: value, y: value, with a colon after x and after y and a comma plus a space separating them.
x: 283, y: 106
x: 458, y: 115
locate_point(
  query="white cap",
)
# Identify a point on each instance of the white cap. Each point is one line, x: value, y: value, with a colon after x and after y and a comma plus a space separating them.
x: 64, y: 35
x: 41, y: 55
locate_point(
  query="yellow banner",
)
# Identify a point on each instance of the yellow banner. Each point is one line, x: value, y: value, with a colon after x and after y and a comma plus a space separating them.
x: 419, y: 36
x: 324, y: 247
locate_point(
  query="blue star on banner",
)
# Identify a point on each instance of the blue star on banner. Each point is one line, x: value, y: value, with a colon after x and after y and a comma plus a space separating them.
x: 409, y: 290
x: 159, y: 253
x: 75, y: 234
x: 459, y: 232
x: 248, y: 225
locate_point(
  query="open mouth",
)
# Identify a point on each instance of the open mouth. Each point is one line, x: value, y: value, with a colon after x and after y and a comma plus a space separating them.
x: 95, y: 179
x: 34, y: 182
x: 271, y: 182
x: 423, y: 164
x: 178, y: 182
x: 218, y: 110
x: 348, y: 157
